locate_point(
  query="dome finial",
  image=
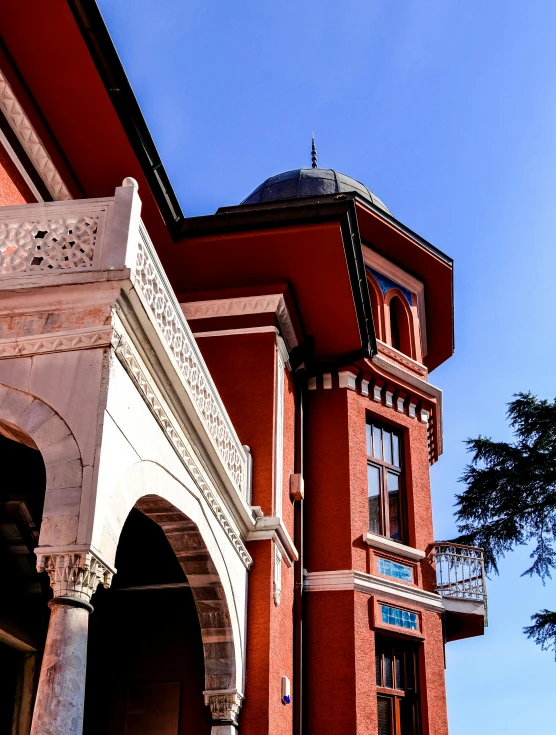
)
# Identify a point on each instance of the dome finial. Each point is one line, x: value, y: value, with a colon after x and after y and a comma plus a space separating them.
x: 313, y: 153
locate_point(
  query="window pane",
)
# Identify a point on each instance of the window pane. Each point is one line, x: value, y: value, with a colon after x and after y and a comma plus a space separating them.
x: 395, y: 451
x: 379, y: 669
x: 400, y: 618
x: 392, y: 569
x: 407, y: 717
x: 374, y: 498
x: 399, y: 683
x: 394, y: 506
x: 377, y: 442
x: 384, y: 716
x: 369, y: 440
x: 387, y: 439
x: 388, y: 678
x: 410, y: 671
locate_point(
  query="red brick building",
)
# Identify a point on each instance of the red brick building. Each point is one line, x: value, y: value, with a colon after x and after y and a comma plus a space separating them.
x: 216, y: 432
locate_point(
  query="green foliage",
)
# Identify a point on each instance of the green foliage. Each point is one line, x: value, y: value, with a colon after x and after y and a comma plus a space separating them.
x: 510, y: 498
x: 543, y: 630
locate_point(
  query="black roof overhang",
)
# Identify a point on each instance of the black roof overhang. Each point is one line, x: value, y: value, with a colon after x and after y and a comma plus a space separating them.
x: 294, y: 212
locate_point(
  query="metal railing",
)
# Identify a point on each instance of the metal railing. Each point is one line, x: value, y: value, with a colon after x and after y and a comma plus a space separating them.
x: 460, y: 571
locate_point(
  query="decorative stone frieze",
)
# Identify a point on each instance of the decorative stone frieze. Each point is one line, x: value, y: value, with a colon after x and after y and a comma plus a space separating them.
x: 74, y: 574
x: 81, y: 339
x: 225, y: 705
x: 135, y: 370
x: 170, y: 320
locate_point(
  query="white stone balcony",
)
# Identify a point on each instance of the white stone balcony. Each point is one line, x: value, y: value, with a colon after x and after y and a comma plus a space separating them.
x: 76, y: 242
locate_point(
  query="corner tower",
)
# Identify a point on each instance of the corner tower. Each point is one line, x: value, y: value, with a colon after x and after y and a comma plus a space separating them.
x: 321, y: 316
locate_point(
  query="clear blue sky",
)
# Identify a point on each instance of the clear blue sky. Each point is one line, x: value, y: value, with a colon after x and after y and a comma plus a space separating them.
x: 447, y: 110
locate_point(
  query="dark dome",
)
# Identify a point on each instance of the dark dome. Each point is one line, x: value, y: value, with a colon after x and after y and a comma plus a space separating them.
x: 309, y: 182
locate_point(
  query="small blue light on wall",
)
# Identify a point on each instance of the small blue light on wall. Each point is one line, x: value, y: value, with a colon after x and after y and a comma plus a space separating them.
x: 286, y: 693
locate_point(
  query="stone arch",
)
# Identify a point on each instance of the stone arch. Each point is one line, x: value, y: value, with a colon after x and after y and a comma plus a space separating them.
x: 395, y: 299
x: 185, y: 522
x: 27, y: 419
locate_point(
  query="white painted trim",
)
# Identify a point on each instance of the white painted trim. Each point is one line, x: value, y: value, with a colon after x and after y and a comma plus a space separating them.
x: 393, y: 547
x: 272, y: 527
x: 422, y: 385
x: 229, y: 332
x: 270, y: 304
x: 30, y: 141
x: 347, y: 379
x: 370, y: 584
x: 467, y: 607
x: 20, y: 167
x: 279, y: 433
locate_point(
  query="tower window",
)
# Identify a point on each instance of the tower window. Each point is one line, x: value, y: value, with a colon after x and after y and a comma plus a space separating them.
x: 396, y: 681
x: 400, y: 330
x: 385, y: 481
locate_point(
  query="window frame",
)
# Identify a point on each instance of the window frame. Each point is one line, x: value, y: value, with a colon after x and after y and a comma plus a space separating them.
x: 384, y: 468
x: 396, y: 694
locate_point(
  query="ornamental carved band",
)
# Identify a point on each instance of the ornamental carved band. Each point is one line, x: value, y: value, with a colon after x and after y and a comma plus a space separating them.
x: 65, y: 243
x: 169, y: 317
x: 225, y: 705
x: 74, y: 574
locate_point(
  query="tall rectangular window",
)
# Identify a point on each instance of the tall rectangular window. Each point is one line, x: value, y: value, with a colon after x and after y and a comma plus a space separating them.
x: 397, y: 688
x: 385, y: 482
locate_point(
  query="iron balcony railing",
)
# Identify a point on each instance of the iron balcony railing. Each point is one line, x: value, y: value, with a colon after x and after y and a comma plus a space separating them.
x: 460, y: 571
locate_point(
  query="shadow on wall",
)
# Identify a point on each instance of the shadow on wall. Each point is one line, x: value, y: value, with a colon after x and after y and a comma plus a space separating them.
x: 145, y: 654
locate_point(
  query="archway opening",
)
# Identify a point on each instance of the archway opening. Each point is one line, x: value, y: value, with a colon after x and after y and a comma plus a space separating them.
x: 145, y: 654
x: 400, y: 329
x: 23, y: 603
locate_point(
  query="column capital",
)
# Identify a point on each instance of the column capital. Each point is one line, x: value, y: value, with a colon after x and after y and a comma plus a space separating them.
x: 225, y: 705
x: 73, y: 573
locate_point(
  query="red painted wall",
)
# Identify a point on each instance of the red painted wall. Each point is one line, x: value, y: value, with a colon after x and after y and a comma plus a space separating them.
x: 339, y: 626
x: 244, y: 370
x: 13, y: 189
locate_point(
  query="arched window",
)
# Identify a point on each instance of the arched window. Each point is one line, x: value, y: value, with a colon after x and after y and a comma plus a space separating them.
x: 377, y: 305
x: 400, y: 330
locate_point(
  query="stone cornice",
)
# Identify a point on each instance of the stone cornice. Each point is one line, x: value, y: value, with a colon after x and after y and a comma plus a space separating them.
x: 393, y: 547
x: 272, y: 303
x: 272, y: 527
x: 371, y: 584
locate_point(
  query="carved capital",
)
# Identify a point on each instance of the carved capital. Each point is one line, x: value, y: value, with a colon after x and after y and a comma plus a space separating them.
x: 225, y: 705
x: 73, y: 574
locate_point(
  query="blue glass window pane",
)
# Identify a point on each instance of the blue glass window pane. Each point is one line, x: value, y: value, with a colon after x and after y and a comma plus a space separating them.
x: 369, y: 440
x: 393, y: 569
x: 399, y: 618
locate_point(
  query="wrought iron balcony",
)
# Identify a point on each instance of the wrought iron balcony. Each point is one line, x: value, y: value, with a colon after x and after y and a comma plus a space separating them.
x: 460, y: 571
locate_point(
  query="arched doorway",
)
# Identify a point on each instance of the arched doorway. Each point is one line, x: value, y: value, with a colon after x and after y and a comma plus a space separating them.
x: 24, y: 612
x: 146, y: 667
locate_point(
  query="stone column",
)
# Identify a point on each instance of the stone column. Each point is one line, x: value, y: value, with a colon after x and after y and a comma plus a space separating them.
x: 225, y: 705
x: 74, y: 576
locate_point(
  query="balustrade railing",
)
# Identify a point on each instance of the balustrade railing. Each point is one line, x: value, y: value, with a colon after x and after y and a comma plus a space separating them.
x: 65, y: 237
x: 460, y: 571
